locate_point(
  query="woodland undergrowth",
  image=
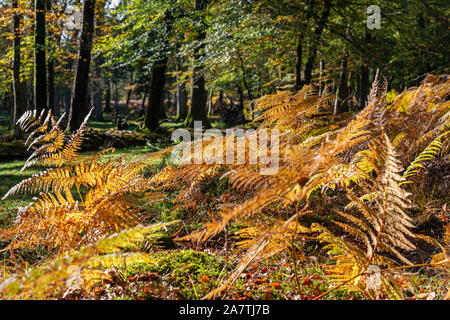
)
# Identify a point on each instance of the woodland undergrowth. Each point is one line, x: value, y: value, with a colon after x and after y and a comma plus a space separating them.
x: 372, y: 169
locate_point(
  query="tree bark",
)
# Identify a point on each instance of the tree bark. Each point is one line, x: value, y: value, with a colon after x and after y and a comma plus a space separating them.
x: 321, y: 70
x: 181, y: 101
x: 97, y: 81
x: 40, y: 64
x: 181, y: 94
x: 158, y: 81
x: 340, y: 104
x: 363, y: 90
x: 116, y: 103
x: 197, y: 109
x: 51, y: 70
x: 155, y: 100
x: 130, y: 90
x: 298, y: 66
x: 108, y: 97
x: 80, y: 105
x: 210, y: 96
x: 316, y: 38
x: 143, y: 101
x: 245, y: 82
x: 97, y: 88
x: 67, y: 99
x: 18, y: 86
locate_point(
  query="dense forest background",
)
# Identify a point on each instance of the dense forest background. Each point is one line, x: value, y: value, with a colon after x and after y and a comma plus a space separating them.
x: 145, y: 56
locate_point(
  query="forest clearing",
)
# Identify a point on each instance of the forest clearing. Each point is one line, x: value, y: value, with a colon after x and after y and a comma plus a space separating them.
x: 224, y: 150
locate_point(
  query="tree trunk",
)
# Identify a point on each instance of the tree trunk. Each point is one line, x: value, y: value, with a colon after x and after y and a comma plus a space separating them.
x: 116, y: 103
x: 210, y: 96
x: 130, y: 90
x: 163, y: 107
x: 321, y: 70
x: 40, y: 64
x: 181, y: 94
x: 80, y: 105
x: 315, y: 41
x: 298, y: 66
x: 57, y: 101
x: 363, y: 89
x: 50, y: 70
x: 240, y: 108
x: 155, y: 100
x: 340, y: 104
x: 67, y: 100
x: 246, y: 85
x: 97, y: 81
x: 169, y: 100
x: 18, y: 86
x: 156, y: 94
x: 143, y: 101
x: 51, y: 85
x: 97, y: 87
x: 108, y: 97
x: 220, y: 100
x: 364, y: 84
x: 197, y: 109
x: 181, y: 101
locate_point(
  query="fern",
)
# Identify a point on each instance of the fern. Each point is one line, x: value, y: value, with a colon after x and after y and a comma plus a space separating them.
x: 83, y: 199
x: 381, y: 223
x: 432, y: 151
x: 351, y: 271
x: 52, y: 147
x: 77, y: 270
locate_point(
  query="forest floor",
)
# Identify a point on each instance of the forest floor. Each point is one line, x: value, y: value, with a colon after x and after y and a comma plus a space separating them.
x: 189, y: 270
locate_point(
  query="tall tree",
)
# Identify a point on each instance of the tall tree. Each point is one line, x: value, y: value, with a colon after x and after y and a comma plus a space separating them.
x: 40, y: 63
x: 50, y: 70
x: 79, y: 107
x: 181, y: 100
x: 97, y: 83
x: 197, y: 109
x: 158, y: 79
x: 322, y: 21
x: 298, y: 65
x: 341, y: 103
x: 18, y: 85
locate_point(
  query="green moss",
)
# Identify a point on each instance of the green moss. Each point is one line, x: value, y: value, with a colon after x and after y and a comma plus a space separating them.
x: 180, y: 263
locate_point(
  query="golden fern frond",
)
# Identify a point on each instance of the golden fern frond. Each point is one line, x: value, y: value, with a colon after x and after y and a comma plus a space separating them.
x: 389, y: 220
x: 418, y: 115
x: 102, y: 205
x: 292, y: 110
x: 56, y: 179
x: 52, y: 179
x: 52, y: 279
x: 381, y: 226
x: 30, y: 119
x: 282, y: 237
x: 61, y: 222
x: 353, y: 271
x: 56, y: 153
x: 296, y: 170
x: 54, y: 138
x: 431, y: 152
